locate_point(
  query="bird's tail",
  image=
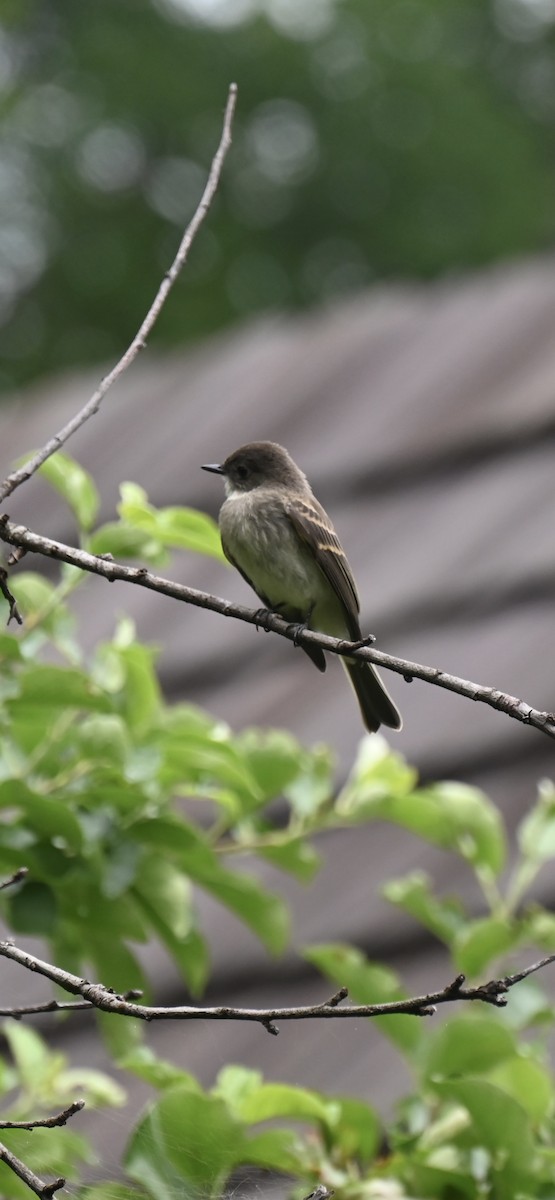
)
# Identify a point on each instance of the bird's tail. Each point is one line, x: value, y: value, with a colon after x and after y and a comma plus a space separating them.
x: 376, y: 705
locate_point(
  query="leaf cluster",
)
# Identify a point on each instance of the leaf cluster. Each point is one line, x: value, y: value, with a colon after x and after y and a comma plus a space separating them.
x: 125, y: 808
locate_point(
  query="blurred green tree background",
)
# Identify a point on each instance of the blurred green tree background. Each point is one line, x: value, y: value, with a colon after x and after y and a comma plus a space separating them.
x: 374, y: 139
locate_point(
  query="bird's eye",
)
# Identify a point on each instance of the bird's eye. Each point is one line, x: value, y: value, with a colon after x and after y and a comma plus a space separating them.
x: 242, y: 472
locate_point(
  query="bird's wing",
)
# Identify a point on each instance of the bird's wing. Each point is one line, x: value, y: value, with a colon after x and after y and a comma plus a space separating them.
x: 314, y: 527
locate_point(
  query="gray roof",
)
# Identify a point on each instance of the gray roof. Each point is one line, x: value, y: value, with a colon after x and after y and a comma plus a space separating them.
x: 425, y: 419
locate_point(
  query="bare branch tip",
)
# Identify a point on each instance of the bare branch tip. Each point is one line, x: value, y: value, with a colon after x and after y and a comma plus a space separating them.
x: 336, y: 998
x: 454, y: 988
x: 49, y: 1189
x: 270, y: 1027
x: 13, y: 613
x: 15, y: 878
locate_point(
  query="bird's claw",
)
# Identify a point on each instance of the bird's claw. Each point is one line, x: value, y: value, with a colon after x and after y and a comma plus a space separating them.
x: 297, y: 629
x: 261, y: 615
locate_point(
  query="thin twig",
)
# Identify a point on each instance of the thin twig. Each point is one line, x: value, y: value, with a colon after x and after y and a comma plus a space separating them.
x: 43, y: 1190
x: 46, y: 1122
x: 519, y: 710
x: 49, y: 1006
x: 493, y: 992
x: 14, y: 613
x: 16, y: 1012
x: 16, y: 556
x: 15, y: 878
x: 139, y: 341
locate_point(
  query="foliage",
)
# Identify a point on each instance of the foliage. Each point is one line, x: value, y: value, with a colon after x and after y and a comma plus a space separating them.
x: 35, y: 1083
x: 97, y: 774
x: 374, y: 138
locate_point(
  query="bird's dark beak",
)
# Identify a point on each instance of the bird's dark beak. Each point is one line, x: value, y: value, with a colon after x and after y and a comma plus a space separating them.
x: 214, y: 467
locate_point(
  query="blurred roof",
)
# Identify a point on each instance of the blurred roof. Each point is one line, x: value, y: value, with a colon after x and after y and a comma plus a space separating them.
x: 425, y: 420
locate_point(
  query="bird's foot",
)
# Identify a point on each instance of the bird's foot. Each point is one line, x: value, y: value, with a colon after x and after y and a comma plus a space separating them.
x: 298, y: 628
x: 261, y: 616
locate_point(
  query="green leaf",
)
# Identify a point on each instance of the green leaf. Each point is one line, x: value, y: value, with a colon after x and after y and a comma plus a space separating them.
x: 235, y: 1084
x: 141, y: 694
x: 60, y: 687
x: 122, y: 862
x: 275, y: 1149
x: 529, y: 1083
x: 148, y: 1163
x: 157, y: 1072
x: 264, y: 913
x: 368, y: 983
x: 439, y: 1183
x: 33, y: 909
x: 468, y: 1045
x: 536, y: 833
x: 500, y: 1123
x: 414, y: 895
x: 187, y: 1138
x: 452, y: 815
x: 164, y: 889
x: 274, y: 757
x: 34, y: 1061
x: 480, y: 942
x: 183, y: 528
x: 501, y: 1126
x: 10, y: 650
x: 310, y: 793
x: 296, y: 856
x: 45, y: 615
x: 538, y: 926
x: 33, y: 593
x: 189, y: 952
x: 358, y: 1130
x: 101, y: 1090
x: 74, y: 484
x: 528, y: 1007
x: 51, y: 818
x: 103, y: 738
x: 378, y: 775
x: 192, y: 755
x: 272, y: 1100
x: 126, y: 541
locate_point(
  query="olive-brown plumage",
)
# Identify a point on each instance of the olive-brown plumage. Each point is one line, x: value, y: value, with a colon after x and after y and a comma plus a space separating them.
x: 282, y: 541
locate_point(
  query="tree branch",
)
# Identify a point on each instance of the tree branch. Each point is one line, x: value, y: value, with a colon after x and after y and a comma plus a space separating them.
x: 14, y: 613
x: 60, y: 1118
x: 43, y: 1190
x: 15, y: 878
x: 493, y: 992
x: 139, y: 341
x: 519, y: 710
x: 16, y: 1012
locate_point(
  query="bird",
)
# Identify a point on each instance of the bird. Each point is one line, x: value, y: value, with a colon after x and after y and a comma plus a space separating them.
x: 277, y: 535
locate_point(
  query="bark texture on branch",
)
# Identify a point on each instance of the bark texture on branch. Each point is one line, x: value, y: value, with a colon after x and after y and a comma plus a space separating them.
x: 107, y: 568
x: 493, y: 992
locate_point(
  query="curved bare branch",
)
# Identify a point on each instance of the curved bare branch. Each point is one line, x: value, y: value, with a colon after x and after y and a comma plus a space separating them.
x: 16, y: 478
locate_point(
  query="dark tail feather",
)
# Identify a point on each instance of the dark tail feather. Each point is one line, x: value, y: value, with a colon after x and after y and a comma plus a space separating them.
x: 376, y: 705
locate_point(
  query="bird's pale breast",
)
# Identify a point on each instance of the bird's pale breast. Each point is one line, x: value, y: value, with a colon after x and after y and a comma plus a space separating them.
x: 260, y: 538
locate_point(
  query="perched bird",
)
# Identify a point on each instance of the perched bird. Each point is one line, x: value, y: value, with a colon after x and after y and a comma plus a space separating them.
x: 281, y: 540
